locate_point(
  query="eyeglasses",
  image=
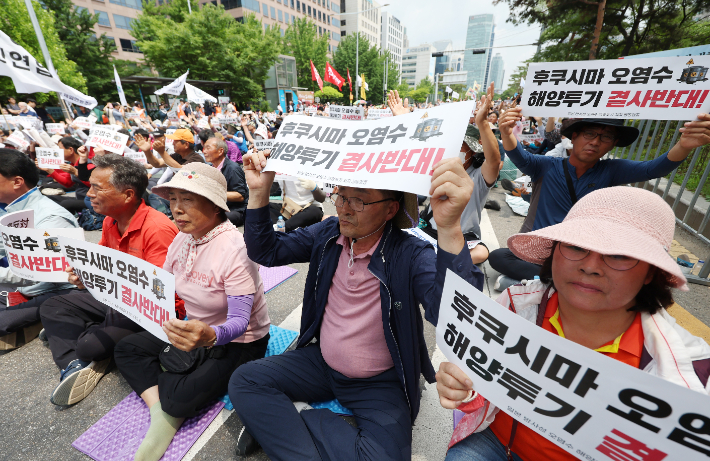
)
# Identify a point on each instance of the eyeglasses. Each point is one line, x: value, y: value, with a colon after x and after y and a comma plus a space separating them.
x: 355, y: 203
x: 616, y: 262
x: 604, y: 137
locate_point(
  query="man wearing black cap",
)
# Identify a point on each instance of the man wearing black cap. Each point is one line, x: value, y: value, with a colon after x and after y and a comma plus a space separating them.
x: 562, y: 181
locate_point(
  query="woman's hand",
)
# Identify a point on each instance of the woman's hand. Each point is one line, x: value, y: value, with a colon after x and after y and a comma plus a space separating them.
x: 73, y: 279
x: 190, y: 334
x: 453, y: 385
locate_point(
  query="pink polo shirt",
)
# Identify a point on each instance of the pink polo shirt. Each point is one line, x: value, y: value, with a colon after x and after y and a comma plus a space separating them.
x: 352, y: 338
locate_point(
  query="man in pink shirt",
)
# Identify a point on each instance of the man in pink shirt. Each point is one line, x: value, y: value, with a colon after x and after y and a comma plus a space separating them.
x: 366, y: 280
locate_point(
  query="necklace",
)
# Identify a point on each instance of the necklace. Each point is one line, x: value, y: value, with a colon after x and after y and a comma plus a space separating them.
x: 352, y: 243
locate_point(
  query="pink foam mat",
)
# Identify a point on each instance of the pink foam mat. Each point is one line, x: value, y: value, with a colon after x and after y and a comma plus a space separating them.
x: 117, y: 435
x: 275, y: 276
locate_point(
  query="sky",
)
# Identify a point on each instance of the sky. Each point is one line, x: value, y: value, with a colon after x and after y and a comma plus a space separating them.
x: 430, y: 20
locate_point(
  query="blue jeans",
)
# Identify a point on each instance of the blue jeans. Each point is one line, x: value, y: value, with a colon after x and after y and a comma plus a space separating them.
x: 481, y: 446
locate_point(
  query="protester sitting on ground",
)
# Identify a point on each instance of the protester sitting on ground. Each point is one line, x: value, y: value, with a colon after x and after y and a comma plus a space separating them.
x: 215, y: 151
x: 562, y: 181
x: 365, y: 283
x: 18, y: 179
x: 61, y: 178
x: 301, y: 203
x: 605, y: 284
x: 83, y: 332
x: 227, y: 314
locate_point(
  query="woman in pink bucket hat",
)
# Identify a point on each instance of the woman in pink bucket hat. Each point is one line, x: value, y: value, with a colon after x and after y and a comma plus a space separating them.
x: 605, y: 284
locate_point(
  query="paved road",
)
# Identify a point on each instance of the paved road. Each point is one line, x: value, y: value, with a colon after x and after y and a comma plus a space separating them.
x: 34, y: 429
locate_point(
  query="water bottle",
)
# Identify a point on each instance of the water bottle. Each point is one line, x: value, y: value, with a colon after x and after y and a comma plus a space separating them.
x: 281, y: 225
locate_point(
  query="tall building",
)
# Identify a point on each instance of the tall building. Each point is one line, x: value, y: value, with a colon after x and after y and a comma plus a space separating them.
x: 393, y: 38
x: 115, y: 18
x: 405, y: 40
x: 367, y: 23
x: 415, y: 64
x: 497, y: 72
x: 480, y: 34
x: 441, y: 63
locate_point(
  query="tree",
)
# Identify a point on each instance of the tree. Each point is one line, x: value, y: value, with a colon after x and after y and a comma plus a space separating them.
x: 210, y: 43
x: 329, y: 94
x: 514, y: 82
x: 419, y: 95
x: 302, y: 42
x: 403, y: 89
x: 15, y: 22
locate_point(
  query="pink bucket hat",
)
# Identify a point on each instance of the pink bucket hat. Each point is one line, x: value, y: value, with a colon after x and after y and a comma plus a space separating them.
x: 619, y: 220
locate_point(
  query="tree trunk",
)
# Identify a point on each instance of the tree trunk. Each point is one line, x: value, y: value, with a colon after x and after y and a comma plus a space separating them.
x: 597, y: 30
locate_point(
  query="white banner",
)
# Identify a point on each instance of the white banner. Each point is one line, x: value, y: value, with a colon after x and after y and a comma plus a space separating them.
x: 198, y: 96
x: 375, y: 114
x: 35, y: 254
x: 54, y: 128
x: 223, y: 99
x: 395, y: 153
x: 109, y: 140
x: 173, y: 116
x: 594, y: 407
x: 175, y: 88
x: 105, y: 127
x: 347, y: 112
x: 650, y: 88
x: 119, y: 87
x: 535, y: 137
x: 49, y: 157
x: 18, y: 140
x: 29, y: 76
x: 139, y: 290
x: 132, y: 115
x: 229, y: 120
x: 311, y: 110
x: 455, y: 95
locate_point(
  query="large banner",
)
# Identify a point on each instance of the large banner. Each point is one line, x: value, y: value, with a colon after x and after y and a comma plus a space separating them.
x: 650, y: 88
x: 139, y: 290
x: 35, y: 254
x: 395, y: 153
x: 107, y: 139
x: 592, y: 406
x: 347, y: 112
x: 198, y: 96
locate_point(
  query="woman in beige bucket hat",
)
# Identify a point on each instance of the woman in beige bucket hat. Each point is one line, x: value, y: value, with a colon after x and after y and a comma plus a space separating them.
x: 224, y: 301
x: 605, y: 284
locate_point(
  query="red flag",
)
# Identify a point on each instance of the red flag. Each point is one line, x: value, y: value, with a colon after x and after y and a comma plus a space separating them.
x: 332, y: 76
x: 350, y: 82
x: 315, y: 76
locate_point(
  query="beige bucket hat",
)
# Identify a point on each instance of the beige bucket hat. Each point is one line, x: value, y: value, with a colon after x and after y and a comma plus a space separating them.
x: 200, y: 179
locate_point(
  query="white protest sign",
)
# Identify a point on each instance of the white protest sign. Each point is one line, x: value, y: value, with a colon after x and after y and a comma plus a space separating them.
x: 173, y: 116
x: 137, y: 156
x: 264, y: 144
x: 82, y: 123
x: 92, y: 118
x: 106, y: 127
x: 374, y: 114
x: 54, y: 128
x: 347, y: 112
x: 30, y: 122
x: 594, y: 407
x: 203, y: 123
x: 18, y: 140
x: 649, y: 88
x: 311, y: 110
x: 530, y: 137
x: 394, y: 153
x: 35, y: 254
x: 132, y: 115
x: 223, y: 99
x: 229, y: 120
x: 109, y: 140
x: 49, y: 157
x: 139, y: 290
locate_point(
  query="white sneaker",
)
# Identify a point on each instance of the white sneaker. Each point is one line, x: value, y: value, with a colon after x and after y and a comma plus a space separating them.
x: 503, y: 282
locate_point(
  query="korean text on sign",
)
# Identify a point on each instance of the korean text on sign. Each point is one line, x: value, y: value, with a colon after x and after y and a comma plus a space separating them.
x: 649, y: 88
x: 49, y: 157
x: 109, y: 140
x: 142, y: 292
x: 395, y: 153
x: 347, y: 112
x: 592, y: 406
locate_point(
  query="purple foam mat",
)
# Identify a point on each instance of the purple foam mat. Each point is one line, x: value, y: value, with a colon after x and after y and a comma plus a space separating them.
x: 117, y: 435
x: 275, y: 276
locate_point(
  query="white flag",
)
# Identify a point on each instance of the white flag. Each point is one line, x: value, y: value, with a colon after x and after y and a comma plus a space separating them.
x: 455, y: 95
x: 448, y: 89
x: 29, y: 76
x: 359, y: 81
x: 522, y: 83
x: 175, y: 88
x: 121, y: 95
x: 197, y: 96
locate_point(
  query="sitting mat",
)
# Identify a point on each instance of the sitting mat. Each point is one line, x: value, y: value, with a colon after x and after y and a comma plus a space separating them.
x: 275, y: 276
x: 117, y: 436
x: 279, y: 340
x: 333, y: 406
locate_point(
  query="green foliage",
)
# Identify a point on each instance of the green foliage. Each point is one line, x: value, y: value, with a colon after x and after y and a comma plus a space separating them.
x: 302, y: 42
x: 419, y: 95
x: 15, y: 22
x: 403, y: 89
x: 329, y: 94
x: 210, y: 43
x: 514, y: 82
x: 265, y: 106
x: 427, y: 84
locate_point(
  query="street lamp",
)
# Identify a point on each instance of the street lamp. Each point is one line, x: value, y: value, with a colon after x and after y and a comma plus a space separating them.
x: 357, y: 41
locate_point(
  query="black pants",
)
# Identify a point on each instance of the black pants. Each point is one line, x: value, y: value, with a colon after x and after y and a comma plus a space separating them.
x: 19, y: 316
x: 309, y: 215
x: 504, y: 261
x: 236, y: 217
x: 71, y: 204
x: 48, y: 183
x: 181, y: 395
x: 80, y: 327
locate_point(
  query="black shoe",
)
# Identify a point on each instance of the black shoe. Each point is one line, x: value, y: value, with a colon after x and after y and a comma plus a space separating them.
x: 507, y: 185
x: 246, y: 444
x: 492, y: 205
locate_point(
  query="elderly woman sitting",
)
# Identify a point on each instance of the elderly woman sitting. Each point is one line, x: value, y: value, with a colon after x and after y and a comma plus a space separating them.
x: 224, y: 300
x: 605, y: 284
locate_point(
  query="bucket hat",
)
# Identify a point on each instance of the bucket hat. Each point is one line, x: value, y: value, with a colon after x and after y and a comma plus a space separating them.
x: 471, y: 138
x: 626, y: 134
x: 619, y: 220
x: 198, y: 178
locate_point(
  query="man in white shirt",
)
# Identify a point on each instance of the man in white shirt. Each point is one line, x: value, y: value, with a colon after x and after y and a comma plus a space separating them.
x: 303, y: 196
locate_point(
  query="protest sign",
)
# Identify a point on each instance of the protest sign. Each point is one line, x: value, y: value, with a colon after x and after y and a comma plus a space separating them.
x: 229, y: 120
x: 223, y: 99
x: 139, y: 290
x: 30, y: 122
x: 534, y: 137
x: 18, y: 140
x: 109, y: 140
x: 137, y: 156
x: 173, y: 116
x: 54, y: 128
x: 305, y: 97
x: 421, y: 235
x: 650, y: 88
x: 311, y: 110
x: 82, y: 123
x: 347, y: 112
x: 49, y: 157
x: 132, y: 115
x: 374, y: 114
x: 394, y: 153
x: 203, y: 123
x: 35, y: 254
x: 263, y: 144
x: 106, y: 127
x: 594, y: 407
